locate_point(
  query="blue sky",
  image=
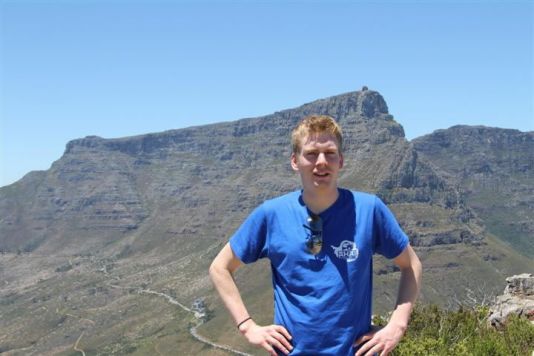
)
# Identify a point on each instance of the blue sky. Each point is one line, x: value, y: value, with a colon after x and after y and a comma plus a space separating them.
x: 69, y: 69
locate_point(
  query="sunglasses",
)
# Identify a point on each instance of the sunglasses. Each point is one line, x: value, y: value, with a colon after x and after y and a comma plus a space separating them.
x: 314, y: 242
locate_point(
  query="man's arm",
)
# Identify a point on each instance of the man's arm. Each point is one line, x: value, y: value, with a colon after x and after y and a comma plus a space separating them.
x: 385, y: 339
x: 221, y: 273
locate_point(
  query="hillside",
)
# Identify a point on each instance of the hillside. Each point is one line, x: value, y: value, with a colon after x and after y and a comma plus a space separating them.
x: 87, y: 245
x: 493, y: 168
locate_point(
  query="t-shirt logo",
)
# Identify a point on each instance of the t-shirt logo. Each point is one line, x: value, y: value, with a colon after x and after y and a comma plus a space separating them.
x: 346, y: 250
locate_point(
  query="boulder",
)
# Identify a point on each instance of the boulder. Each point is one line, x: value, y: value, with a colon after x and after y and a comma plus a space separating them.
x: 518, y: 299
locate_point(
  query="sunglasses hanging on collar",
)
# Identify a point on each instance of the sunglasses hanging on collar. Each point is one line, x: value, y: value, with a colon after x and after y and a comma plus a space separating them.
x: 314, y: 242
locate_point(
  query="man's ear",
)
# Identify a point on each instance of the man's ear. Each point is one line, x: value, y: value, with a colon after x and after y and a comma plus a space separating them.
x: 294, y: 162
x: 340, y: 160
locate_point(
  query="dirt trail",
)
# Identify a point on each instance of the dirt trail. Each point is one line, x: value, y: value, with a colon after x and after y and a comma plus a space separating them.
x: 193, y: 330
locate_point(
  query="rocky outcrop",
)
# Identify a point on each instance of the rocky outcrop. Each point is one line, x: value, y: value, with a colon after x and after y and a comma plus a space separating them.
x: 517, y: 299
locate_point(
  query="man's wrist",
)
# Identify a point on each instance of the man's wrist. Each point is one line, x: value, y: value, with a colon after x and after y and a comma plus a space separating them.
x: 244, y: 325
x: 402, y: 326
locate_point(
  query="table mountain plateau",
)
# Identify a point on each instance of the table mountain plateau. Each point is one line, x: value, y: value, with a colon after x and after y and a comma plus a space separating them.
x: 87, y: 245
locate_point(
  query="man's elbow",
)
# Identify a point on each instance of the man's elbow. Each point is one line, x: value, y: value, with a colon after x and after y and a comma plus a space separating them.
x: 410, y: 263
x: 218, y: 269
x: 417, y: 265
x: 416, y: 268
x: 214, y: 270
x: 224, y: 265
x: 418, y: 271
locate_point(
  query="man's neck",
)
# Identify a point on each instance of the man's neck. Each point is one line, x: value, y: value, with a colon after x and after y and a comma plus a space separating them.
x: 318, y: 202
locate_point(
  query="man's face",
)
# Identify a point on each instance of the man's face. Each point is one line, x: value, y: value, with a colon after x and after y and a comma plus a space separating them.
x: 318, y: 162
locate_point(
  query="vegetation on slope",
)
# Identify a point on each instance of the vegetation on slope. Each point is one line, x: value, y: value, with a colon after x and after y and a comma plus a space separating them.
x: 436, y: 331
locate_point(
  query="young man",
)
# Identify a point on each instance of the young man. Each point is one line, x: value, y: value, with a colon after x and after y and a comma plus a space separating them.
x: 320, y: 241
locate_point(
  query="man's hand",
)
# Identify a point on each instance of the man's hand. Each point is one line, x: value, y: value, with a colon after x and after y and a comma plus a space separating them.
x: 268, y: 337
x: 379, y: 341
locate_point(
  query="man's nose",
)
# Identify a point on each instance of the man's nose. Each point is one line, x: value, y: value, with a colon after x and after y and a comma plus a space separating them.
x: 321, y: 159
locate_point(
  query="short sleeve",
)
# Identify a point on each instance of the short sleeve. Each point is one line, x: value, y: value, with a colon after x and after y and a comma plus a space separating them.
x: 389, y: 239
x: 249, y: 242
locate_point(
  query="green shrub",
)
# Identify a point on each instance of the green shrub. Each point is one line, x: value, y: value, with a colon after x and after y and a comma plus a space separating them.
x: 435, y: 331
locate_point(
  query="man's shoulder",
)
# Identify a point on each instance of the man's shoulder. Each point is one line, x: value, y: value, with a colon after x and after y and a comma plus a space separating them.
x: 361, y: 197
x: 283, y: 200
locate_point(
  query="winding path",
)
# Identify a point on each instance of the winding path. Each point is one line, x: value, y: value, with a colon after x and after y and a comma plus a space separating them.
x: 193, y: 330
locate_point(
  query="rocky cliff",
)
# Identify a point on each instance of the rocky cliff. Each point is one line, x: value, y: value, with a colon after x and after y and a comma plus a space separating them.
x: 493, y: 170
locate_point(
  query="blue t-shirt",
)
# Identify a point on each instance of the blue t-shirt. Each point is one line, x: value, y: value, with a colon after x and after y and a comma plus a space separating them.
x: 324, y: 301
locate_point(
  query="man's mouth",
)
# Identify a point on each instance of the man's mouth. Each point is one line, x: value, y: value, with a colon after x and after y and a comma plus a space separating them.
x: 322, y: 175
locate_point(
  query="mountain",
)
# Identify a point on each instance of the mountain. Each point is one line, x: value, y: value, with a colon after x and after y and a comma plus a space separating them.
x: 493, y: 168
x: 107, y: 250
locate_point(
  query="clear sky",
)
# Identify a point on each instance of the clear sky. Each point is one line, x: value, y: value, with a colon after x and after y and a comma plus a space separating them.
x: 69, y: 69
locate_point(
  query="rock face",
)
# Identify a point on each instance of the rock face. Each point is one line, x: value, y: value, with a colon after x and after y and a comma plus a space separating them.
x: 171, y: 183
x: 493, y: 170
x: 517, y: 299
